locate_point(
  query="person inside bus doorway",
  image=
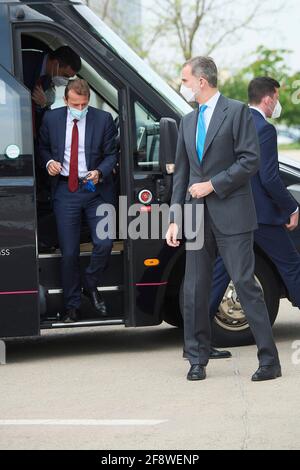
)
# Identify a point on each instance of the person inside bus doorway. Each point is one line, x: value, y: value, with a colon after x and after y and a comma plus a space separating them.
x: 78, y: 145
x: 42, y: 72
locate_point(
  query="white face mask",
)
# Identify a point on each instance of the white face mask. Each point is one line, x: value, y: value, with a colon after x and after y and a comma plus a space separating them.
x: 58, y: 80
x: 188, y: 94
x: 277, y: 110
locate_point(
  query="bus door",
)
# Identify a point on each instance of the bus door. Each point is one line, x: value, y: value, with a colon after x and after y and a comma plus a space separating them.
x: 148, y: 255
x: 19, y: 299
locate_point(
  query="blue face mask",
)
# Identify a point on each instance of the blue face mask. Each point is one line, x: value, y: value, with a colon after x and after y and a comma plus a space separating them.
x: 77, y: 113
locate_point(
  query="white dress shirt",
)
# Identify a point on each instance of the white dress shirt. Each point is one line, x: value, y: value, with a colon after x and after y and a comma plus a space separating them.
x: 265, y: 117
x: 259, y: 111
x: 82, y: 168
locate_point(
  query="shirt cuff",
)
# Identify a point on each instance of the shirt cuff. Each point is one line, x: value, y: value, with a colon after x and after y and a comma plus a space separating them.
x: 297, y: 210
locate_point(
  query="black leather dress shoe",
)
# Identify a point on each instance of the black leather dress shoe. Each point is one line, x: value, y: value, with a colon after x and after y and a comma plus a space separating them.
x: 97, y: 301
x: 215, y: 354
x: 197, y: 372
x: 267, y: 373
x: 71, y: 315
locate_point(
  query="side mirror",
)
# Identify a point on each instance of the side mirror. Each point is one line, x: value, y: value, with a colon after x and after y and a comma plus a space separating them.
x: 167, y: 153
x: 168, y: 144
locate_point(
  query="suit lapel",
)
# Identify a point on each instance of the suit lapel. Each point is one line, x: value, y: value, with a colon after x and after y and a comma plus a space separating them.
x: 217, y: 119
x: 61, y: 133
x: 88, y: 136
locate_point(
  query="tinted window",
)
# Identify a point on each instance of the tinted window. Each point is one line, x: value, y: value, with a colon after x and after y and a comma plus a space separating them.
x: 147, y: 139
x: 15, y: 116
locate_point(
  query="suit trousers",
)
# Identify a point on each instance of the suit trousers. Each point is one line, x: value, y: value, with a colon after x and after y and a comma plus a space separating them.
x: 68, y: 208
x: 277, y: 244
x: 238, y: 256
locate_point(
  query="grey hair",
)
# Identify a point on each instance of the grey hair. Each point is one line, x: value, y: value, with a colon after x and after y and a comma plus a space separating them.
x: 204, y: 67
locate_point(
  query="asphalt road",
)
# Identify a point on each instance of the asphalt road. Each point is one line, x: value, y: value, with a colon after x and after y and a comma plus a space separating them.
x: 127, y: 390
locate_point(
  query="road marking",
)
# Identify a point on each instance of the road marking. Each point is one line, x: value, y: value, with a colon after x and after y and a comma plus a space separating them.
x: 81, y: 422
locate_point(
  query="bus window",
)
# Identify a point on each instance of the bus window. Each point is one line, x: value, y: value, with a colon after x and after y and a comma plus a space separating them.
x: 15, y: 131
x: 147, y: 139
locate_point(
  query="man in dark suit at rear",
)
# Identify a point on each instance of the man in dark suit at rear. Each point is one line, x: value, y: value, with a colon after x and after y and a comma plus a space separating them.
x: 217, y: 154
x: 78, y: 141
x: 277, y: 211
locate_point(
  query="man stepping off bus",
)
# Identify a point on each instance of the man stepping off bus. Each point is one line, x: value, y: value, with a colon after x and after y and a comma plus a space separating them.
x: 78, y: 148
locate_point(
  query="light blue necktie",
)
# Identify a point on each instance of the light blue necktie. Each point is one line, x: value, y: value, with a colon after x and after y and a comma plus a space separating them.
x: 201, y: 132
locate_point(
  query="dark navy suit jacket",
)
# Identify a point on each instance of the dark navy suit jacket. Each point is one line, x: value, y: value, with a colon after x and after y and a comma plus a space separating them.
x: 274, y: 204
x: 100, y: 145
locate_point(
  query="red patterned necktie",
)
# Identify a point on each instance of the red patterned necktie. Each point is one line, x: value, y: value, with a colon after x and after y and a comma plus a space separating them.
x: 73, y: 173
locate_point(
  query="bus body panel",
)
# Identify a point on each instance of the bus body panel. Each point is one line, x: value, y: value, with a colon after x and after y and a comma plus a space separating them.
x: 19, y: 300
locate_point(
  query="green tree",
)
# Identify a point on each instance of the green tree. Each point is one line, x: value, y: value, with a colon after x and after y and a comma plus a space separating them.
x: 270, y: 63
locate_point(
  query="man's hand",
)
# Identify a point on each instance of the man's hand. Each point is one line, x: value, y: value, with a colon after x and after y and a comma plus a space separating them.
x: 94, y: 176
x: 200, y: 190
x: 39, y: 97
x: 54, y: 168
x: 294, y: 221
x: 171, y: 236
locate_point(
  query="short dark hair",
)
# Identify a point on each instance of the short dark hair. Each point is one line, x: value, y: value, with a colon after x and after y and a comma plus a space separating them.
x: 205, y: 67
x: 66, y: 57
x: 260, y: 87
x: 80, y: 86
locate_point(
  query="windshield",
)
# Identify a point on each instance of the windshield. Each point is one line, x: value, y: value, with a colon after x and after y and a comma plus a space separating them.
x: 123, y: 50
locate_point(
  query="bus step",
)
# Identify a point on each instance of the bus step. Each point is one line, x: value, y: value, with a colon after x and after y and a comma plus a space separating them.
x: 82, y: 323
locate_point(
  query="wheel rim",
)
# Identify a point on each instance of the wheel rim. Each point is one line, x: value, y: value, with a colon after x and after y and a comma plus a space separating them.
x: 231, y: 316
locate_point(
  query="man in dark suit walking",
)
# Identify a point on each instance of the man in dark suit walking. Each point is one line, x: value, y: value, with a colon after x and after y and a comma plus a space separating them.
x: 217, y: 154
x: 78, y: 144
x: 277, y: 211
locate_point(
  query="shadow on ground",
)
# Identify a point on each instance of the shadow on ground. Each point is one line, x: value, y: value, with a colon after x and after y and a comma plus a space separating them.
x: 114, y: 340
x: 93, y: 341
